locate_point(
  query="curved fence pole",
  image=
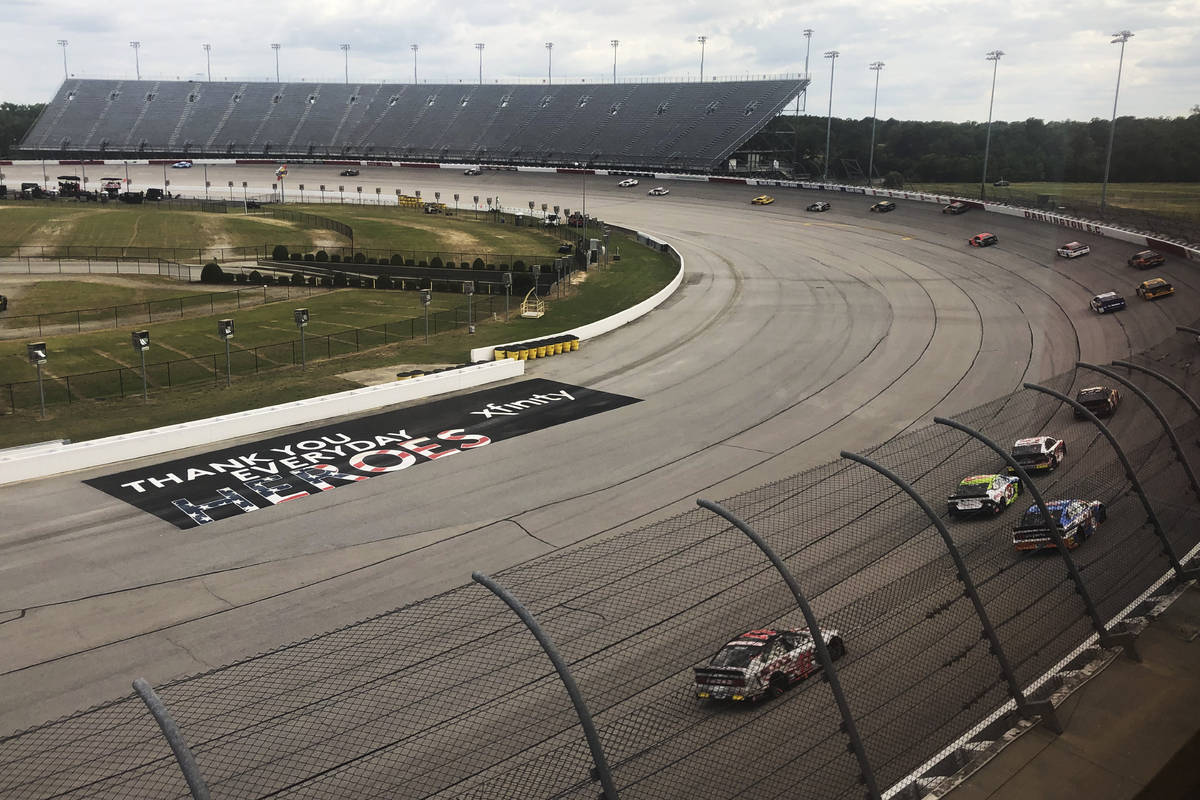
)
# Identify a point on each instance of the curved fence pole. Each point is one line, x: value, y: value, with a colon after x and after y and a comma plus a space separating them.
x: 1185, y: 329
x: 1108, y: 639
x: 1191, y: 401
x: 1145, y: 398
x: 187, y: 764
x: 1180, y: 572
x: 568, y: 680
x: 866, y: 774
x: 1026, y: 708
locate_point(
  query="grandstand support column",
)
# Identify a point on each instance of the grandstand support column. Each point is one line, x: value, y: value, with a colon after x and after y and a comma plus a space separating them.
x: 1168, y: 550
x: 170, y: 731
x: 602, y: 771
x: 994, y: 57
x: 832, y: 56
x: 867, y: 774
x: 1158, y: 414
x: 1027, y: 709
x: 1118, y: 637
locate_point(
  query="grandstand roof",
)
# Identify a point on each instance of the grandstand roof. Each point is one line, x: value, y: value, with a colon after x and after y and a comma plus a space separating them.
x: 680, y: 126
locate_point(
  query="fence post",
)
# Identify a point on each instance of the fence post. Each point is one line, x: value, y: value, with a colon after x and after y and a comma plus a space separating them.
x: 1163, y: 379
x: 1145, y: 398
x: 1180, y: 572
x: 1108, y: 639
x: 866, y: 774
x: 564, y: 674
x: 1027, y: 709
x: 170, y: 731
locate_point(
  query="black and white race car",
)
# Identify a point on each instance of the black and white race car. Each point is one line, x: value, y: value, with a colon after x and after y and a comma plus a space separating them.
x: 983, y: 494
x: 1038, y: 452
x: 763, y: 663
x: 820, y: 205
x: 658, y: 191
x: 625, y: 184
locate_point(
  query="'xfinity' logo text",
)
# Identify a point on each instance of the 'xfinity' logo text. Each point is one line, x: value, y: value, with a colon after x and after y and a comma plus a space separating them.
x: 516, y: 406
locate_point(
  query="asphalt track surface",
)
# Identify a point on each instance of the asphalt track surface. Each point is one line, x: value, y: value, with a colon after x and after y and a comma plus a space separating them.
x: 794, y: 336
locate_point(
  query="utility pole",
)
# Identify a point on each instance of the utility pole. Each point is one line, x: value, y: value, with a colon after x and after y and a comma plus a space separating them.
x: 832, y: 56
x: 136, y: 61
x: 994, y: 57
x: 877, y: 66
x: 208, y: 59
x: 275, y: 46
x: 549, y: 55
x: 414, y: 49
x: 1121, y: 38
x: 808, y: 32
x: 702, y: 40
x: 345, y: 48
x: 614, y: 43
x: 479, y: 47
x: 63, y: 44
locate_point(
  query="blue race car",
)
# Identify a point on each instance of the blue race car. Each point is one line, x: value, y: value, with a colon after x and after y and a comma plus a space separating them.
x: 1077, y: 520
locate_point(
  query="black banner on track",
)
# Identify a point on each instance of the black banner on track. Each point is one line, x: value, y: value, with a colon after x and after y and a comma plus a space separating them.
x: 194, y: 491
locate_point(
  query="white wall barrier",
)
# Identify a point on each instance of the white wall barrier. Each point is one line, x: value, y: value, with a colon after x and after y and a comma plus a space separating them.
x: 27, y: 463
x: 599, y: 327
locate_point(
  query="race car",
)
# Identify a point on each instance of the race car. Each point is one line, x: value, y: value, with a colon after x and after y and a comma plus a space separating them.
x: 763, y: 663
x: 625, y: 184
x: 1154, y: 289
x: 820, y: 205
x: 471, y: 171
x: 1077, y: 520
x: 1038, y: 452
x: 983, y: 494
x: 1073, y: 250
x: 956, y: 208
x: 762, y: 200
x: 1145, y: 259
x: 182, y: 165
x: 1106, y: 302
x: 658, y: 191
x: 884, y: 205
x: 348, y: 173
x: 983, y: 240
x: 1100, y: 400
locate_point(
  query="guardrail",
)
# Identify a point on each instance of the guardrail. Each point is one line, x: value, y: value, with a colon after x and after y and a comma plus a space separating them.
x: 632, y: 614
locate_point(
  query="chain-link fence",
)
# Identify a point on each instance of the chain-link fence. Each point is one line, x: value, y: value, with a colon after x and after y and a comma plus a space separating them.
x: 451, y: 696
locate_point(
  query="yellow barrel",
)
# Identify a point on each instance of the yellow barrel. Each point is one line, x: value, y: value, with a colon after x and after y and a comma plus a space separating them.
x: 541, y: 350
x: 500, y: 354
x: 574, y: 342
x: 523, y: 353
x: 558, y: 347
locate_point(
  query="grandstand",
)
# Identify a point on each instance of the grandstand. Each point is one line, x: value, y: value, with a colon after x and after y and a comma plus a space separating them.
x: 674, y: 126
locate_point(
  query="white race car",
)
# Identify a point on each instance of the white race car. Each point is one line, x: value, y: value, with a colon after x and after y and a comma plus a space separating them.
x: 658, y: 191
x: 628, y: 182
x: 182, y: 165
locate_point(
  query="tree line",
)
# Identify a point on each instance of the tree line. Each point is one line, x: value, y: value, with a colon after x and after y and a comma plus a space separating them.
x: 15, y: 121
x: 1145, y: 149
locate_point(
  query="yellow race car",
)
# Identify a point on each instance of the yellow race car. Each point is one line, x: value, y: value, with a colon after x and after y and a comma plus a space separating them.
x: 762, y: 200
x: 1154, y: 289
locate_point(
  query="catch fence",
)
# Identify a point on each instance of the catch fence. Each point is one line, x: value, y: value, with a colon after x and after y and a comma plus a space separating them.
x: 451, y: 696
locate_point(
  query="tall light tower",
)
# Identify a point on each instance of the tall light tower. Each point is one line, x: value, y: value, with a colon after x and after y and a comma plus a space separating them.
x: 208, y: 59
x: 878, y: 67
x: 614, y: 43
x: 701, y: 40
x: 345, y: 48
x: 832, y: 56
x: 1122, y: 38
x: 275, y: 46
x: 808, y: 32
x: 414, y: 49
x: 137, y: 64
x: 63, y: 44
x: 994, y: 57
x: 479, y: 47
x: 549, y: 55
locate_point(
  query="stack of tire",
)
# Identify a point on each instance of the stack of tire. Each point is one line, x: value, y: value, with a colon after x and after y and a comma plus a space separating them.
x: 541, y: 348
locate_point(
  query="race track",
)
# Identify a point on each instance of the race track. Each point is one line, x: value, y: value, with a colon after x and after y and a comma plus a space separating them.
x: 794, y: 336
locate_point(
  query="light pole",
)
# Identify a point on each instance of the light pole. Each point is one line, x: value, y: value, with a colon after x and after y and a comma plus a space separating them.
x: 479, y: 47
x: 549, y: 63
x: 414, y: 49
x: 426, y: 298
x: 345, y: 48
x: 701, y: 40
x: 994, y: 57
x: 141, y: 341
x: 137, y: 65
x: 614, y: 43
x: 832, y: 56
x: 208, y: 59
x: 300, y: 317
x: 63, y: 44
x: 808, y: 32
x: 1122, y: 38
x: 275, y: 46
x: 877, y: 66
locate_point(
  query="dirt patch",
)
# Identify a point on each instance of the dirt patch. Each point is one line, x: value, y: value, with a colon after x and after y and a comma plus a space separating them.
x: 451, y: 239
x: 381, y: 375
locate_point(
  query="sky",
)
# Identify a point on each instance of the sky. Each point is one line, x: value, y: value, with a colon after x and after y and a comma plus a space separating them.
x: 1058, y: 62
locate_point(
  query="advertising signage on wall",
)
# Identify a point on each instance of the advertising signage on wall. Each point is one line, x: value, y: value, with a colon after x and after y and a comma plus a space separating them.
x: 205, y: 488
